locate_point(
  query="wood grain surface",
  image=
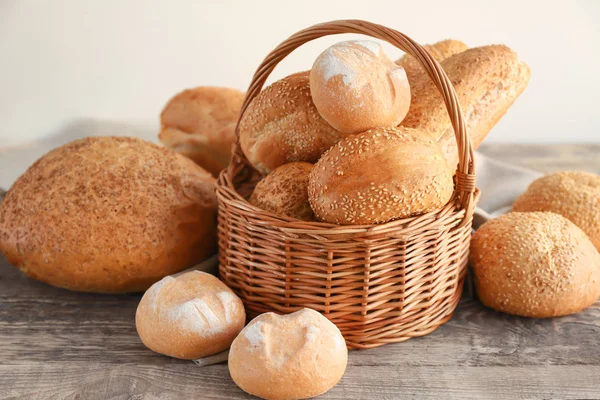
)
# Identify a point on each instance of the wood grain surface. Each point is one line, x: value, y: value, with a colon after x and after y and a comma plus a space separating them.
x: 56, y: 344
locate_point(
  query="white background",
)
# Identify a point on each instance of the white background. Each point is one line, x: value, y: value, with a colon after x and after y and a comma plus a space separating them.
x: 66, y: 62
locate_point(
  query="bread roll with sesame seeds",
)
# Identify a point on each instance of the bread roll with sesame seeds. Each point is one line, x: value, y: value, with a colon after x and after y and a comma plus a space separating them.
x: 189, y: 316
x: 356, y: 87
x: 573, y: 194
x: 200, y: 124
x: 440, y: 51
x: 487, y: 81
x: 535, y: 264
x: 109, y: 215
x: 285, y: 191
x: 380, y: 175
x: 287, y: 357
x: 282, y: 125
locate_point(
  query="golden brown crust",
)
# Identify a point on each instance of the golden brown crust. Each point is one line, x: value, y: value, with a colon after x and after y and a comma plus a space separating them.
x: 285, y: 191
x: 284, y: 357
x: 535, y: 264
x: 380, y: 175
x: 440, y: 51
x: 356, y: 87
x: 487, y: 81
x: 282, y: 125
x: 200, y: 124
x: 109, y: 214
x: 573, y: 194
x: 189, y: 316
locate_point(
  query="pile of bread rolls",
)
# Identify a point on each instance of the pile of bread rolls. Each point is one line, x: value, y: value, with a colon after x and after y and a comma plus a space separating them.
x: 361, y: 140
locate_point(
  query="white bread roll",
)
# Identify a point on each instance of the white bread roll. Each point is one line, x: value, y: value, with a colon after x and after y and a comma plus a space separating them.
x: 189, y: 316
x: 285, y: 191
x: 535, y: 264
x: 573, y: 194
x: 356, y: 87
x: 200, y: 124
x: 110, y: 215
x: 285, y: 357
x: 380, y: 175
x: 282, y: 125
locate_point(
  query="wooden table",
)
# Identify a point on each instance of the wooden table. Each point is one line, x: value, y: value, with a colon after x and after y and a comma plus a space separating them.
x: 64, y: 345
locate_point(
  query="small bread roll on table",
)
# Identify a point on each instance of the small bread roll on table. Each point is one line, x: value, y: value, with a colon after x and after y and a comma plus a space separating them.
x: 356, y: 87
x: 282, y: 125
x: 573, y: 194
x: 380, y: 175
x: 286, y: 357
x: 535, y: 264
x: 285, y: 191
x: 189, y: 316
x: 200, y: 124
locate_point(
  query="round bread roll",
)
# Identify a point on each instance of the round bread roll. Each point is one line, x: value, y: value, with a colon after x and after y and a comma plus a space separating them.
x: 535, y: 264
x: 189, y: 316
x: 282, y: 125
x: 380, y: 175
x: 200, y: 124
x: 356, y: 87
x: 285, y: 191
x: 574, y: 195
x: 109, y: 214
x: 285, y: 357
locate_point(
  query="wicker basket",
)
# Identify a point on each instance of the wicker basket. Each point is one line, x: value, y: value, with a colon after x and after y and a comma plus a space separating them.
x: 380, y: 283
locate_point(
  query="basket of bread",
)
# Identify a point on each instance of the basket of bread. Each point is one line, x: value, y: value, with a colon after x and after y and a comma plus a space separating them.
x: 352, y: 186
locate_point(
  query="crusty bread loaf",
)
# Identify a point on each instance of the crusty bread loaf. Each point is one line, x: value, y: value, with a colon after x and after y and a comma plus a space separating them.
x: 573, y: 194
x: 356, y: 87
x: 189, y: 316
x: 487, y: 81
x: 380, y: 175
x: 285, y: 191
x: 109, y: 214
x: 282, y: 125
x: 200, y: 124
x: 440, y: 51
x: 535, y: 264
x: 285, y: 357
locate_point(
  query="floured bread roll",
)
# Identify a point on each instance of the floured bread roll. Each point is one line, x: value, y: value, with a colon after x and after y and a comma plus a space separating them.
x: 189, y: 316
x: 285, y: 191
x: 293, y: 356
x: 356, y: 87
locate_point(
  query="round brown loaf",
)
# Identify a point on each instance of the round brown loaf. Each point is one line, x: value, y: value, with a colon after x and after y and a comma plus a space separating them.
x: 356, y: 87
x: 200, y: 124
x: 285, y: 191
x: 189, y: 316
x: 535, y: 264
x: 282, y: 125
x: 380, y: 175
x: 572, y: 194
x: 109, y: 214
x: 285, y: 357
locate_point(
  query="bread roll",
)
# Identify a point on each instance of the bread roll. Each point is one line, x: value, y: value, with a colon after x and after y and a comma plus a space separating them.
x: 536, y: 264
x: 487, y: 81
x: 200, y: 124
x: 440, y: 51
x: 356, y: 87
x: 380, y: 175
x: 285, y: 191
x: 285, y: 357
x: 109, y: 214
x: 574, y: 195
x: 282, y: 125
x: 189, y: 316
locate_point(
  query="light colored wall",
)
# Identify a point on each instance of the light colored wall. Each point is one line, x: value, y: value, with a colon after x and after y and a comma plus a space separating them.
x: 68, y: 60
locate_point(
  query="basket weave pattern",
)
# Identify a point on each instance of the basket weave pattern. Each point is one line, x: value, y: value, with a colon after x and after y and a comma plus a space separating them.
x: 379, y: 283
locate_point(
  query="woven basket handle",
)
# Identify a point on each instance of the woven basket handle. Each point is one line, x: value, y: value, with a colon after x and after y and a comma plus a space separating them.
x: 465, y: 175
